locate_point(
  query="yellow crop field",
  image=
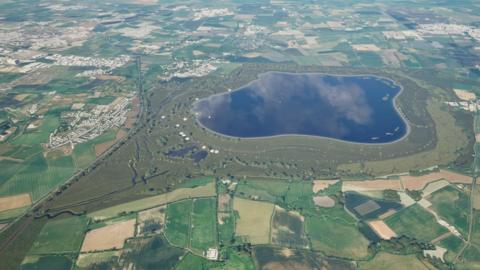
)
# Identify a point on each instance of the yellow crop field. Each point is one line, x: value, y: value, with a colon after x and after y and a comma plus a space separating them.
x: 254, y: 221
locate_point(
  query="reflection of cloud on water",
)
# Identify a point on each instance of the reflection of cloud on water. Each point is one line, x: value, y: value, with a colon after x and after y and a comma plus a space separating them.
x: 347, y: 100
x: 209, y: 106
x: 282, y: 103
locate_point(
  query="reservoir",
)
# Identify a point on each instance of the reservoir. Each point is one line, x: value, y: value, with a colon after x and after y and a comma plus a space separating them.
x: 349, y: 108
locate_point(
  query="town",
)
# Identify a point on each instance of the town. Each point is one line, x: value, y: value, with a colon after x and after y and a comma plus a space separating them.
x: 86, y: 126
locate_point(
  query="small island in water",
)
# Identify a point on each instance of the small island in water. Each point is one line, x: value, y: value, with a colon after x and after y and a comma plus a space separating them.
x: 350, y: 108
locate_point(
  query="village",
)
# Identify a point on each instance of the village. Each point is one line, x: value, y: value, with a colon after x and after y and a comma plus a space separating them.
x: 87, y: 125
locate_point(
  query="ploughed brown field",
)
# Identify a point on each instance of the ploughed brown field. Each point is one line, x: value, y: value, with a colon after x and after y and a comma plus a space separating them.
x: 419, y: 182
x: 15, y: 201
x: 372, y: 185
x: 382, y: 229
x: 109, y: 237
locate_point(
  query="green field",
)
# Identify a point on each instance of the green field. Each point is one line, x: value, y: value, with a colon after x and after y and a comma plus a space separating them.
x: 453, y: 206
x: 268, y: 257
x: 48, y: 263
x: 60, y: 236
x: 472, y: 257
x: 370, y: 59
x: 288, y: 229
x: 289, y: 194
x: 109, y: 135
x: 207, y: 190
x: 10, y: 214
x: 87, y: 260
x: 8, y: 169
x: 394, y: 262
x: 101, y: 100
x: 416, y: 222
x: 237, y: 261
x: 83, y: 154
x: 334, y: 232
x: 453, y: 244
x: 204, y: 224
x: 107, y: 48
x: 95, y: 224
x: 40, y: 134
x: 476, y: 228
x: 151, y: 254
x: 39, y: 177
x: 197, y: 182
x: 24, y: 151
x: 226, y: 229
x: 265, y: 190
x: 178, y: 223
x: 194, y: 262
x: 299, y: 195
x: 8, y: 77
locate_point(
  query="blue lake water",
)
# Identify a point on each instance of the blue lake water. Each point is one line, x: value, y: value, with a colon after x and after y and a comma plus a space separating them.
x: 350, y: 108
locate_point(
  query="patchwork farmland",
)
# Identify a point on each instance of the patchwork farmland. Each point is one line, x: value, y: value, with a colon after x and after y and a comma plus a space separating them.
x: 239, y: 135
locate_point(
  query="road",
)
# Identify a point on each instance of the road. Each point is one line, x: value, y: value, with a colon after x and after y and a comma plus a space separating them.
x: 476, y: 169
x: 23, y: 226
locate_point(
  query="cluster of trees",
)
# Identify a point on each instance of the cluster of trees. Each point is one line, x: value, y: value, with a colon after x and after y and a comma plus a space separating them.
x: 391, y: 195
x: 405, y: 245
